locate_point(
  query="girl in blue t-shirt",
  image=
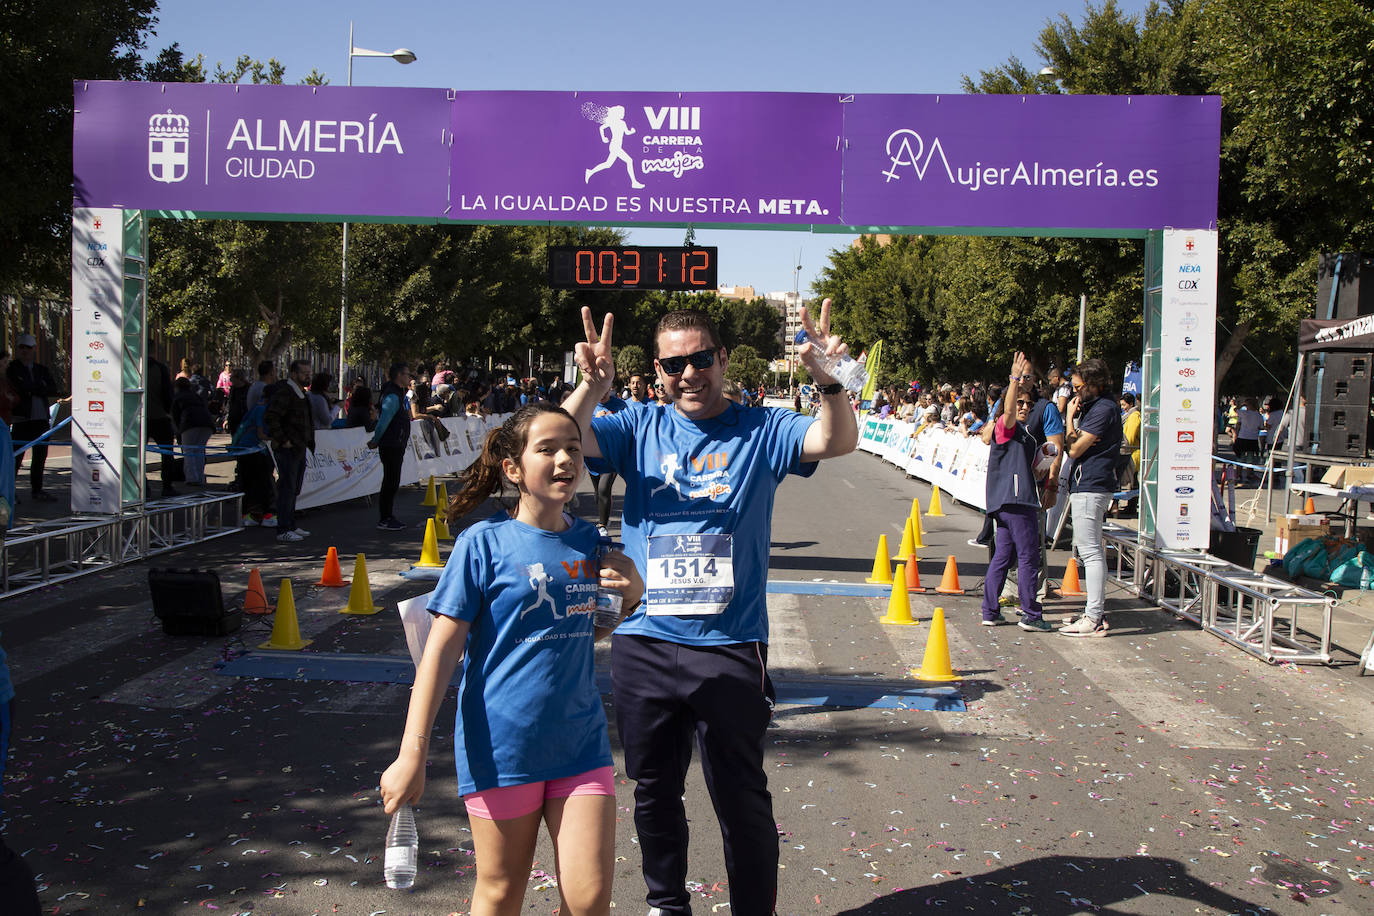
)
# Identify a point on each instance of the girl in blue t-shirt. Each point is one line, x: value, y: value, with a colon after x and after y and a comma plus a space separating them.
x: 515, y: 605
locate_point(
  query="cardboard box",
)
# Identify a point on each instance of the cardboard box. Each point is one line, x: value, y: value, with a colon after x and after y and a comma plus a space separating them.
x: 1294, y: 529
x: 1343, y: 475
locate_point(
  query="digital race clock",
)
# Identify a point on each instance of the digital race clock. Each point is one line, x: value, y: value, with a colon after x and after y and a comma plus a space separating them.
x: 631, y: 267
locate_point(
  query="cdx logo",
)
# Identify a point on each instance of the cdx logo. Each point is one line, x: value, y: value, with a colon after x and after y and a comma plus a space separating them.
x: 1187, y: 284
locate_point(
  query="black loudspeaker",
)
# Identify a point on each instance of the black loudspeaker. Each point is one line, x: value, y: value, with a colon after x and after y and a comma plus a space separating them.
x: 1353, y: 298
x: 1338, y: 392
x: 189, y: 603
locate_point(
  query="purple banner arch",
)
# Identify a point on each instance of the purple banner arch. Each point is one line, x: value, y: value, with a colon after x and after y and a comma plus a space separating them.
x: 1085, y: 164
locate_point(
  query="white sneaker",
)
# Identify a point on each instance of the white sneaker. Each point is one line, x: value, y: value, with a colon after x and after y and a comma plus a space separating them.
x: 302, y: 532
x: 250, y: 522
x: 269, y: 521
x: 1085, y: 626
x: 290, y: 536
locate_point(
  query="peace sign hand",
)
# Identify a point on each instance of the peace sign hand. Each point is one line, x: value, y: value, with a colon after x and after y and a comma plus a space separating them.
x: 593, y: 358
x: 821, y: 343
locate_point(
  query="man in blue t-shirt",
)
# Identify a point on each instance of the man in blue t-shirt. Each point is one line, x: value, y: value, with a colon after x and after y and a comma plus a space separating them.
x: 691, y: 664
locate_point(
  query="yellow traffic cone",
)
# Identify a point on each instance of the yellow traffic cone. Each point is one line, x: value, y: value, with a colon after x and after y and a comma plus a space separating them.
x: 441, y: 519
x: 360, y: 595
x: 916, y: 542
x: 443, y: 498
x: 882, y: 568
x: 935, y: 511
x: 915, y: 507
x: 935, y: 664
x: 906, y: 546
x: 898, y: 602
x: 429, y: 499
x: 286, y: 633
x: 429, y: 554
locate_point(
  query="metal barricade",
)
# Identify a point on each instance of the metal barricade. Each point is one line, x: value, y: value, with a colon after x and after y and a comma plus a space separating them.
x: 32, y: 556
x: 1253, y: 612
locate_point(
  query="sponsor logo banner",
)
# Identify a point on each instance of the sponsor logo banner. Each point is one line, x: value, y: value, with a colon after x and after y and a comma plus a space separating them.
x: 1011, y: 160
x: 262, y: 149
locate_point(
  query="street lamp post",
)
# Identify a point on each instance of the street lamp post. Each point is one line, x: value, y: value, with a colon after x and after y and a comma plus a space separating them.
x: 401, y: 56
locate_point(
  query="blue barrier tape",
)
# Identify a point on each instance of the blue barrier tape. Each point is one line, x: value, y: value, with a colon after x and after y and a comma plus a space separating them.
x: 21, y: 447
x: 398, y: 669
x: 1252, y: 467
x: 235, y: 450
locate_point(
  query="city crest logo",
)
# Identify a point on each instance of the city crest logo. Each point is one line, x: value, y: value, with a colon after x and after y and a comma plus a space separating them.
x: 169, y: 147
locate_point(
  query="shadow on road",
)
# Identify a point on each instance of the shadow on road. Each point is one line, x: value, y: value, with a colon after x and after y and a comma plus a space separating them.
x: 1059, y: 886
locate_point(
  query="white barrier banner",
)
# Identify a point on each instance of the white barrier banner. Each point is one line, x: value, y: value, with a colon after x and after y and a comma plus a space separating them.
x: 342, y: 467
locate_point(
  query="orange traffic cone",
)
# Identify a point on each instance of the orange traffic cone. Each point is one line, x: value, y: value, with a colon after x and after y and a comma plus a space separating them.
x: 255, y: 599
x: 1309, y: 507
x: 913, y: 576
x: 882, y: 571
x: 333, y: 575
x: 949, y: 585
x: 935, y: 664
x: 360, y: 595
x: 935, y: 510
x: 286, y: 633
x: 1071, y: 587
x: 898, y: 602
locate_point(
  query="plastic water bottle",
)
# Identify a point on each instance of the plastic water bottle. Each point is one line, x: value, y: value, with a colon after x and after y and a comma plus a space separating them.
x: 608, y: 601
x: 844, y: 369
x: 402, y: 849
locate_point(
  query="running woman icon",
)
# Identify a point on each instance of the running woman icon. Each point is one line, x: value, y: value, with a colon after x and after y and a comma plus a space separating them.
x: 613, y: 131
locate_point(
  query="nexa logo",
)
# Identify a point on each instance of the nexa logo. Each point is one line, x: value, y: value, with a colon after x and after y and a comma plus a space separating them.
x: 1187, y: 284
x: 1190, y: 268
x: 678, y: 117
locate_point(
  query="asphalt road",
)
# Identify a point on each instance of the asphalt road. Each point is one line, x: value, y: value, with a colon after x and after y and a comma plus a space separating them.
x: 1155, y: 771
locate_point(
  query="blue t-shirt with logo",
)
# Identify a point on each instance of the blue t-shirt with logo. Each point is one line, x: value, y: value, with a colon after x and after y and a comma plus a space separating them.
x: 528, y: 707
x: 595, y: 466
x: 698, y: 513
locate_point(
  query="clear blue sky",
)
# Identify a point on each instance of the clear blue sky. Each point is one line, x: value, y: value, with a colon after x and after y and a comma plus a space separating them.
x: 915, y: 46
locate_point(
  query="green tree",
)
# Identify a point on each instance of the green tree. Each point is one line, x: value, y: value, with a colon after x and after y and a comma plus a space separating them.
x: 886, y: 292
x: 267, y: 284
x: 631, y: 360
x: 44, y: 48
x: 747, y: 367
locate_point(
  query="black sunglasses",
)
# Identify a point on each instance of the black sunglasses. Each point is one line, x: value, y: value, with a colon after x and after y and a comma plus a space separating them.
x: 702, y: 359
x: 1024, y: 403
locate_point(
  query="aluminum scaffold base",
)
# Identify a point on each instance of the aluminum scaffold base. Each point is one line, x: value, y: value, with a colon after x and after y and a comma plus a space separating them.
x: 48, y: 552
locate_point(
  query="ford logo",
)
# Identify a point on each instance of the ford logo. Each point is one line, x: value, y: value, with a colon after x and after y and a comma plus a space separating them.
x: 1184, y: 491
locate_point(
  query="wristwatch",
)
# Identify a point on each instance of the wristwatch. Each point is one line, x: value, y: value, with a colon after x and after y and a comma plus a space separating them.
x: 832, y: 388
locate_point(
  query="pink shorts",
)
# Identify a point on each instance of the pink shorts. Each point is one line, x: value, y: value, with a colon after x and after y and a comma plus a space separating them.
x: 506, y: 802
